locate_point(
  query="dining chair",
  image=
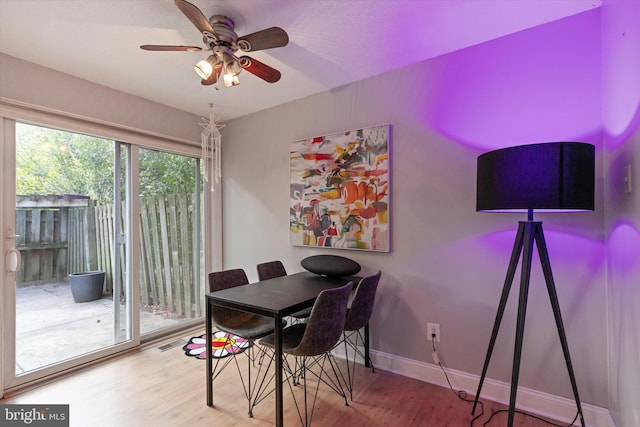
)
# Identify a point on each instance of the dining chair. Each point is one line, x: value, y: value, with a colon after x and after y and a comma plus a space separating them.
x: 272, y: 269
x: 358, y: 315
x: 314, y: 340
x: 245, y: 325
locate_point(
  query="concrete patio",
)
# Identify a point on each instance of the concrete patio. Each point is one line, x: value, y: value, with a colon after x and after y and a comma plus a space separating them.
x: 51, y: 327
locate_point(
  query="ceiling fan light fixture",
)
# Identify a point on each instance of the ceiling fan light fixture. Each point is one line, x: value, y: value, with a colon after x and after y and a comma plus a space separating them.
x: 231, y: 65
x: 231, y: 70
x: 204, y: 68
x: 231, y: 80
x: 220, y: 38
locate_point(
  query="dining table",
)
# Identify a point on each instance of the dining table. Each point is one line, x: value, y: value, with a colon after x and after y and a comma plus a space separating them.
x: 276, y: 298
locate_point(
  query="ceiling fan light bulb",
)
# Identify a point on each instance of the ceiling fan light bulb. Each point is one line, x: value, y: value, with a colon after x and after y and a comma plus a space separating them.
x: 230, y: 80
x: 204, y: 69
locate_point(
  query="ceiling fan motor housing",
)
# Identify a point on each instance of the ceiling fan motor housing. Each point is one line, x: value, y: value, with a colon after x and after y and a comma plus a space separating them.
x: 223, y: 26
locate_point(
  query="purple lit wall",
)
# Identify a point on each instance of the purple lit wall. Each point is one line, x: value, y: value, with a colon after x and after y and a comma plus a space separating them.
x: 535, y: 86
x: 447, y: 262
x: 540, y: 85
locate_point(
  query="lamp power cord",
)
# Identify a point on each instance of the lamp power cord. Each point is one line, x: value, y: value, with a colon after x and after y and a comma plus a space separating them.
x: 462, y: 395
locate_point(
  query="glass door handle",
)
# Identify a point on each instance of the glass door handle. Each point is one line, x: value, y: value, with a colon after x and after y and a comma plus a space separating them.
x: 12, y: 260
x: 12, y: 257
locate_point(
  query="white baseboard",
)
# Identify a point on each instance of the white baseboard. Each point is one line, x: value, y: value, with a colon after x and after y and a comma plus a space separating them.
x: 536, y: 402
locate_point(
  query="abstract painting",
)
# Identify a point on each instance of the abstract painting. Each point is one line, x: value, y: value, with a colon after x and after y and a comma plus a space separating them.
x: 339, y: 194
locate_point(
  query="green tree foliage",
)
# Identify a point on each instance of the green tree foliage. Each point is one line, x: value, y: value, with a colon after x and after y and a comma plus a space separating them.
x: 50, y: 161
x: 165, y: 173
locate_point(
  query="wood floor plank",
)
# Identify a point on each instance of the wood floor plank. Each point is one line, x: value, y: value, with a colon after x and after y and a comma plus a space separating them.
x: 157, y: 388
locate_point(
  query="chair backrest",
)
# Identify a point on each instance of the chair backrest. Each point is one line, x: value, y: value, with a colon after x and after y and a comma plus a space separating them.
x: 326, y: 322
x: 225, y: 279
x: 219, y: 280
x: 271, y: 269
x: 362, y: 305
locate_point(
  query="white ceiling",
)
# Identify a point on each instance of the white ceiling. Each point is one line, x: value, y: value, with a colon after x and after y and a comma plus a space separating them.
x: 332, y: 42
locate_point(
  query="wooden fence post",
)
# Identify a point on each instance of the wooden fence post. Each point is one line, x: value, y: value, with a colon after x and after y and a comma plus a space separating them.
x: 62, y: 235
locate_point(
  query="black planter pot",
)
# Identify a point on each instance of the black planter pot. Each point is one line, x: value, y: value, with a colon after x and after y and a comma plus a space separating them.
x: 86, y: 286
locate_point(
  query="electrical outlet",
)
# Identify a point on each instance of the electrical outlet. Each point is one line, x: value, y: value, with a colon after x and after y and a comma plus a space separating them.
x: 433, y: 329
x: 627, y: 179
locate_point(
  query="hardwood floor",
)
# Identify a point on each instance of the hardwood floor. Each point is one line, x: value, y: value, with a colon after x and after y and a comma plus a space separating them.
x: 166, y: 388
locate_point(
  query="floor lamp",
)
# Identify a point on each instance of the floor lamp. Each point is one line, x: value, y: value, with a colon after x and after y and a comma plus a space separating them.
x: 549, y: 177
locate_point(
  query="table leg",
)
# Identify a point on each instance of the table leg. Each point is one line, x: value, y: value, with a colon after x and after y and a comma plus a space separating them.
x: 367, y: 358
x: 209, y: 355
x: 278, y: 368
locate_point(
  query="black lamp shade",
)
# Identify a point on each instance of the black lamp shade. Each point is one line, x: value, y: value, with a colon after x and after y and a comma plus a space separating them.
x: 551, y: 176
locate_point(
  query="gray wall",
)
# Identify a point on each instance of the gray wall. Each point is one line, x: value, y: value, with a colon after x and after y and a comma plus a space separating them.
x: 33, y: 84
x: 621, y: 101
x: 448, y: 263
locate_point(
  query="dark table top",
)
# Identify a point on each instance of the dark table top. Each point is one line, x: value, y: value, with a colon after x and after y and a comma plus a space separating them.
x: 278, y: 296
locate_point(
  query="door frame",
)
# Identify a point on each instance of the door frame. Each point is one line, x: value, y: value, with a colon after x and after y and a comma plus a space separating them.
x: 10, y: 111
x: 8, y: 279
x: 7, y: 146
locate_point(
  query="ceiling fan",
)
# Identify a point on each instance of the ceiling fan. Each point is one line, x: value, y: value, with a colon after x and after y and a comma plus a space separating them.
x: 220, y: 38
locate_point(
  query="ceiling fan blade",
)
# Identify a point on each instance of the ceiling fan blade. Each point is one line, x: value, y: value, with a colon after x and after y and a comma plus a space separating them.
x: 215, y: 75
x: 265, y: 39
x: 259, y: 69
x: 162, y: 47
x: 195, y: 16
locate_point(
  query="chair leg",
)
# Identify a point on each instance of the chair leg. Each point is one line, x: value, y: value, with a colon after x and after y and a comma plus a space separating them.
x: 292, y: 382
x: 250, y: 390
x: 308, y: 417
x: 351, y: 364
x: 250, y: 411
x: 307, y: 421
x: 349, y: 381
x: 335, y: 370
x: 365, y: 355
x: 217, y: 369
x: 260, y: 389
x: 304, y: 369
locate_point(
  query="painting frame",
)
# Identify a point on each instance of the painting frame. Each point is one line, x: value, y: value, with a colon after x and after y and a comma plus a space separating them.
x: 340, y: 190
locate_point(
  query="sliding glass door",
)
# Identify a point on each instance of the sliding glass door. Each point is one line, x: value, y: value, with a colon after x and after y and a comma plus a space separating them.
x: 70, y: 260
x: 102, y: 245
x: 171, y: 255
